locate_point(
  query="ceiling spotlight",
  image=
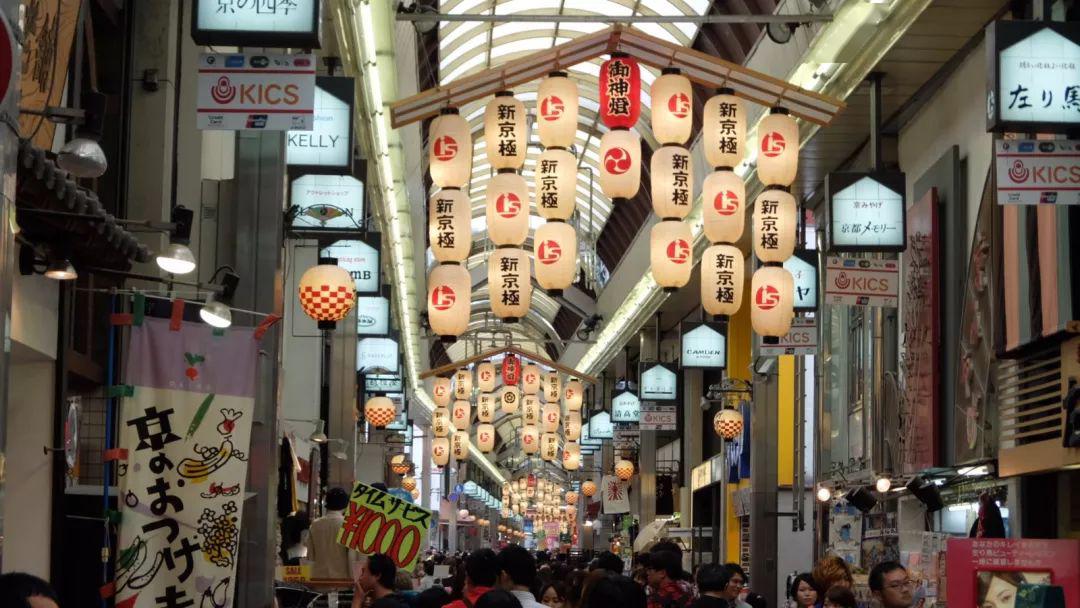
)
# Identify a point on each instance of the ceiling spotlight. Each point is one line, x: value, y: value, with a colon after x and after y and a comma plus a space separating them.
x: 83, y: 156
x: 824, y: 494
x: 215, y: 312
x: 861, y: 498
x: 177, y: 257
x: 883, y: 484
x: 927, y: 493
x: 60, y: 269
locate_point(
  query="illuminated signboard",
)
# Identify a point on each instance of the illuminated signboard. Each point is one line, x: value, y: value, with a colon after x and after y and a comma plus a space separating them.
x: 704, y: 345
x: 803, y: 267
x: 359, y: 257
x: 625, y: 407
x: 866, y: 211
x: 377, y: 355
x: 372, y: 315
x: 600, y: 426
x: 658, y: 382
x: 257, y: 23
x: 327, y: 202
x: 329, y: 142
x: 1034, y: 76
x: 383, y: 383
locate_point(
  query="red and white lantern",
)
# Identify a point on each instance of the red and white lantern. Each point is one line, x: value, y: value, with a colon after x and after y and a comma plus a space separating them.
x: 530, y: 444
x: 379, y: 411
x: 449, y: 227
x: 671, y: 254
x: 572, y: 426
x: 620, y: 164
x: 552, y: 386
x: 327, y: 294
x: 722, y: 279
x: 555, y: 244
x: 620, y: 91
x: 624, y: 469
x: 463, y: 382
x: 485, y: 437
x: 672, y: 180
x: 775, y: 231
x: 440, y: 451
x: 672, y: 107
x: 557, y: 111
x: 450, y: 154
x: 772, y: 301
x: 588, y: 488
x: 461, y: 414
x: 723, y: 130
x: 556, y: 184
x: 530, y: 409
x: 530, y: 379
x: 507, y: 209
x: 571, y: 461
x: 778, y: 149
x: 440, y: 422
x: 723, y: 207
x: 505, y: 131
x: 459, y: 446
x: 573, y: 395
x: 448, y: 301
x: 509, y: 398
x: 442, y: 391
x: 486, y: 404
x: 485, y: 376
x: 550, y: 417
x: 511, y: 369
x: 728, y: 424
x: 509, y: 284
x: 549, y: 447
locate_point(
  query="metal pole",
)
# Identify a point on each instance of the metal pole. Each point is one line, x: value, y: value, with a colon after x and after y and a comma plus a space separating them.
x: 876, y: 162
x: 721, y: 543
x: 595, y: 18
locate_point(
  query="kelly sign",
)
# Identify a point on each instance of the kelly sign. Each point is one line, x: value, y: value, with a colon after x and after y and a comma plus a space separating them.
x: 801, y: 340
x: 657, y: 382
x: 861, y: 282
x: 1034, y: 82
x: 704, y: 345
x: 866, y: 211
x: 377, y: 522
x: 329, y: 142
x: 1031, y: 172
x: 244, y: 91
x: 625, y: 407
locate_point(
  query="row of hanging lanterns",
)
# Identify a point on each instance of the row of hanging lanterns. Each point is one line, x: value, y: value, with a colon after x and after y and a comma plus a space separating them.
x: 555, y: 242
x: 672, y: 179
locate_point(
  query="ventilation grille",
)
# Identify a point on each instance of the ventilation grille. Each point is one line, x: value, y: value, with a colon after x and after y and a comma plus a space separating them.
x: 1029, y: 397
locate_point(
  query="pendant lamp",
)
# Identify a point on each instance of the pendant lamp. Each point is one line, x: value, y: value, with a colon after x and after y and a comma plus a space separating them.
x: 486, y: 404
x: 442, y: 391
x: 620, y: 91
x: 485, y: 437
x: 556, y: 184
x: 772, y: 302
x: 722, y: 280
x: 461, y: 414
x: 573, y: 395
x: 723, y: 207
x: 530, y: 410
x: 379, y: 411
x: 555, y: 245
x: 485, y: 376
x: 530, y: 379
x: 530, y: 442
x: 620, y: 164
x: 509, y: 283
x: 507, y: 209
x: 463, y: 382
x: 552, y: 386
x: 509, y: 398
x: 448, y: 301
x: 778, y: 149
x: 671, y: 254
x: 327, y: 293
x: 557, y: 110
x: 672, y: 107
x: 440, y: 451
x: 505, y: 131
x: 449, y: 225
x: 775, y: 231
x: 450, y: 153
x: 459, y: 446
x: 440, y: 422
x: 723, y: 130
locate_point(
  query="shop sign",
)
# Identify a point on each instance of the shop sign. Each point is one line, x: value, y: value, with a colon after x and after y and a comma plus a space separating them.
x: 383, y: 383
x: 377, y: 354
x: 243, y: 91
x: 1030, y: 172
x: 701, y: 476
x: 803, y: 267
x: 866, y: 211
x: 625, y: 407
x: 718, y: 465
x: 293, y: 574
x: 1008, y: 568
x: 626, y: 439
x: 658, y: 382
x: 801, y: 340
x: 329, y: 143
x: 361, y: 258
x: 704, y: 345
x: 1034, y: 82
x: 659, y: 418
x: 372, y: 315
x: 587, y: 440
x: 327, y: 202
x: 600, y: 426
x: 257, y: 23
x: 861, y: 282
x: 376, y: 522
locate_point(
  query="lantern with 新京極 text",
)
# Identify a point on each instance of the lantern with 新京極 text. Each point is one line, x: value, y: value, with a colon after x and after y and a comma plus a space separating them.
x: 778, y: 149
x: 552, y: 386
x: 723, y: 130
x: 672, y: 181
x: 451, y: 150
x: 449, y: 228
x: 440, y: 422
x: 485, y: 407
x: 672, y: 107
x: 722, y: 279
x: 555, y: 245
x: 557, y: 110
x: 505, y: 131
x: 556, y: 184
x: 671, y: 253
x: 530, y: 409
x: 459, y: 445
x: 775, y: 229
x: 572, y: 426
x: 509, y: 284
x: 549, y: 447
x: 463, y: 382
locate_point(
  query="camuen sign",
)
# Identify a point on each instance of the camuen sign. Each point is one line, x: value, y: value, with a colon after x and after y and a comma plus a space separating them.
x: 329, y: 142
x: 703, y: 345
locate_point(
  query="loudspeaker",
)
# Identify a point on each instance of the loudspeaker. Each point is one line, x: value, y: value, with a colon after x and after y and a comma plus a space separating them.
x: 927, y: 493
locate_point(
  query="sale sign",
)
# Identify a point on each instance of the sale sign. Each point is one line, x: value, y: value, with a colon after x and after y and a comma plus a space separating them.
x: 241, y: 91
x: 377, y: 522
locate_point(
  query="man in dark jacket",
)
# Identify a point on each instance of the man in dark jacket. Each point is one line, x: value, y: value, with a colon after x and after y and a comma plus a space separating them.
x: 712, y: 580
x: 377, y: 574
x: 664, y: 571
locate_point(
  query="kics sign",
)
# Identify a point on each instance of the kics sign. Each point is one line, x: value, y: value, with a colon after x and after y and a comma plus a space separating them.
x: 1033, y: 172
x: 862, y: 282
x: 247, y: 92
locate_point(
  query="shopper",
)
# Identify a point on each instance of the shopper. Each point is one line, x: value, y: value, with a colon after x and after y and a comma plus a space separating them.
x: 607, y: 590
x: 832, y: 570
x: 664, y: 572
x: 891, y: 585
x: 736, y: 586
x: 330, y: 559
x: 839, y: 597
x: 803, y: 591
x: 498, y: 598
x: 434, y: 597
x: 712, y: 581
x: 377, y: 580
x: 517, y: 574
x: 21, y: 590
x: 553, y: 594
x: 481, y: 573
x: 610, y: 562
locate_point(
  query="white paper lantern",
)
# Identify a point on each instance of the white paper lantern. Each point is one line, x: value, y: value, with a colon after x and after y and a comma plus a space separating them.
x: 775, y: 233
x: 723, y: 207
x: 549, y: 447
x: 571, y: 459
x: 572, y: 426
x: 449, y: 299
x: 486, y: 404
x: 620, y: 163
x: 440, y: 422
x: 450, y: 153
x: 509, y: 283
x: 507, y: 209
x: 671, y: 254
x: 327, y: 294
x: 449, y: 225
x: 379, y: 411
x: 530, y: 410
x: 461, y: 414
x: 530, y: 443
x: 442, y: 391
x: 440, y: 451
x: 459, y: 446
x: 550, y: 417
x: 505, y: 131
x: 463, y: 382
x: 485, y: 376
x: 530, y: 379
x: 557, y: 110
x: 556, y: 184
x: 672, y: 182
x: 485, y: 437
x: 509, y: 398
x: 555, y: 244
x: 723, y: 130
x: 552, y: 386
x: 778, y: 149
x: 672, y: 107
x: 772, y: 301
x: 722, y: 278
x: 573, y: 395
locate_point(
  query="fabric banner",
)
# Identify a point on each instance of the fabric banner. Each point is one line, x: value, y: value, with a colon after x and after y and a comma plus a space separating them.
x: 616, y: 494
x: 379, y: 522
x: 186, y: 427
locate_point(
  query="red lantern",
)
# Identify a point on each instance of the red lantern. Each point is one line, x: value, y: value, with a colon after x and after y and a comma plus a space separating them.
x: 620, y: 91
x: 511, y: 370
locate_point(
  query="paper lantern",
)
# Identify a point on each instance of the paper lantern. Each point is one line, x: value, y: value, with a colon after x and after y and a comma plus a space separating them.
x: 624, y: 470
x: 723, y: 130
x: 728, y: 424
x: 549, y: 415
x: 459, y: 446
x: 485, y: 437
x: 671, y: 253
x: 557, y: 110
x: 450, y: 154
x: 620, y: 91
x: 573, y: 395
x: 415, y: 493
x: 555, y: 244
x: 399, y: 464
x: 588, y: 488
x: 672, y: 107
x: 530, y: 379
x: 440, y: 422
x: 504, y: 131
x: 440, y: 451
x: 571, y: 460
x: 572, y: 426
x: 485, y: 376
x: 571, y: 496
x: 530, y: 410
x: 485, y: 407
x: 552, y: 386
x: 672, y: 181
x: 722, y: 280
x: 549, y: 446
x: 507, y: 209
x: 776, y: 228
x: 461, y: 414
x: 530, y: 444
x: 778, y: 149
x: 327, y: 294
x: 556, y: 184
x: 408, y: 484
x: 509, y: 284
x: 463, y: 382
x: 772, y: 301
x: 379, y: 411
x: 449, y: 225
x: 620, y: 164
x: 723, y: 207
x: 511, y: 369
x: 442, y: 391
x: 509, y: 398
x: 449, y: 300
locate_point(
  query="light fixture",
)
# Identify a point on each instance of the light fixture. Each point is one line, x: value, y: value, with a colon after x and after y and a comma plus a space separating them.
x: 82, y: 157
x: 588, y: 523
x: 319, y: 434
x: 927, y: 492
x: 177, y: 257
x: 824, y: 494
x: 624, y: 470
x: 883, y: 484
x: 60, y: 269
x: 327, y: 293
x: 215, y: 313
x: 861, y: 499
x: 380, y: 411
x: 728, y: 424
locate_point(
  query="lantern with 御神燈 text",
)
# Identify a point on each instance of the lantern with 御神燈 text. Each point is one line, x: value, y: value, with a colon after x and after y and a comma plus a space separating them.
x: 530, y: 410
x: 450, y: 154
x: 572, y: 426
x: 509, y: 283
x: 549, y: 415
x: 461, y: 414
x: 549, y: 447
x: 573, y: 395
x: 772, y: 302
x: 620, y: 91
x: 620, y: 164
x: 463, y: 382
x: 555, y: 244
x: 672, y: 180
x: 556, y: 184
x: 440, y: 422
x: 511, y: 369
x: 778, y: 149
x: 440, y: 451
x: 449, y: 295
x: 530, y: 379
x: 485, y: 407
x: 485, y: 437
x: 557, y: 110
x: 571, y: 457
x: 459, y: 445
x: 507, y: 197
x: 530, y: 444
x: 449, y: 228
x: 672, y: 107
x: 722, y: 280
x: 671, y: 254
x: 509, y: 397
x: 552, y: 386
x: 723, y: 212
x: 723, y: 130
x: 505, y: 131
x: 485, y: 376
x: 442, y: 391
x: 775, y: 230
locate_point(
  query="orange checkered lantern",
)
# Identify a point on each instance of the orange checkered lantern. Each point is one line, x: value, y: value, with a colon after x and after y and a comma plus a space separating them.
x: 571, y: 498
x: 408, y: 484
x: 327, y: 294
x: 624, y: 469
x: 728, y: 423
x: 400, y: 465
x: 588, y: 489
x: 379, y: 411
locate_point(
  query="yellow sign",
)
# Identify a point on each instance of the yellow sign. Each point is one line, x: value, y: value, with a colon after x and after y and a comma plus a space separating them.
x: 377, y: 522
x: 293, y: 574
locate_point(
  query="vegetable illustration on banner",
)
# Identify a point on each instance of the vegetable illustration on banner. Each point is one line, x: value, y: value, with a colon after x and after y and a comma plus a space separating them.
x: 377, y: 522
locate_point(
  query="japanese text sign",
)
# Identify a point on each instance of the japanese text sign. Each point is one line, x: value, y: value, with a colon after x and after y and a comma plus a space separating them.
x: 658, y: 382
x: 376, y: 522
x: 861, y: 282
x: 866, y: 211
x: 977, y: 567
x: 803, y: 267
x: 800, y: 340
x: 620, y: 92
x: 1030, y: 172
x: 257, y: 23
x: 240, y: 91
x: 1034, y: 81
x: 625, y: 407
x: 327, y: 202
x: 659, y: 418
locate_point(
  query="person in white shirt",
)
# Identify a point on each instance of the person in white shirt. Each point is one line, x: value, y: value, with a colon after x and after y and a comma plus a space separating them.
x: 330, y: 559
x: 517, y: 574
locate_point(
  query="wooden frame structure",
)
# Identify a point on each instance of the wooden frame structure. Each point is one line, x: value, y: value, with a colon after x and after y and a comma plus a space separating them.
x: 446, y: 369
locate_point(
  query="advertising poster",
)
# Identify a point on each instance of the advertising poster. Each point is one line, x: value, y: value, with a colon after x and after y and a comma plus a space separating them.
x: 995, y: 572
x: 377, y: 522
x: 240, y: 91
